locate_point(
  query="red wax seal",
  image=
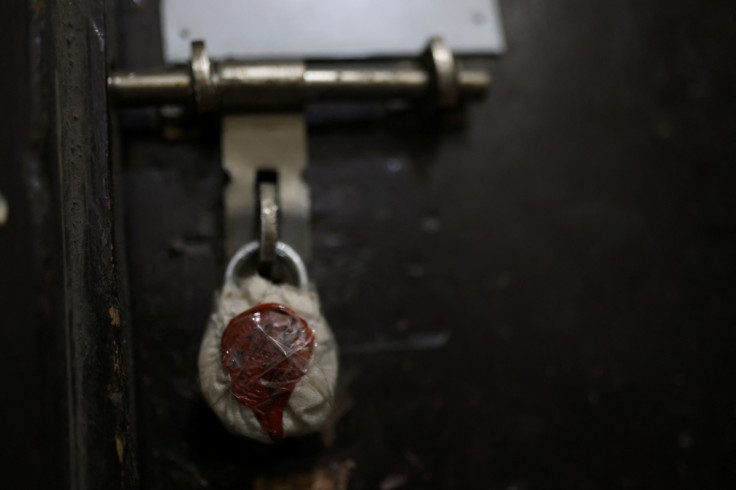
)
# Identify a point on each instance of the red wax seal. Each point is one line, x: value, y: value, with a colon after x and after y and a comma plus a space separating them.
x: 266, y: 351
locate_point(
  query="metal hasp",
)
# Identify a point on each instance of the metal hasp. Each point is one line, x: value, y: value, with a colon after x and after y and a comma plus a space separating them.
x: 274, y: 144
x: 435, y: 78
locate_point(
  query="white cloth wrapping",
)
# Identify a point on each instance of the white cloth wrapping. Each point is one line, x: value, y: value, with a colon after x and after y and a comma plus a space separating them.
x: 313, y: 397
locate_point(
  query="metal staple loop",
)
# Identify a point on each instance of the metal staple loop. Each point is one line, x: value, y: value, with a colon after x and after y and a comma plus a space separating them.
x: 201, y: 73
x: 268, y: 217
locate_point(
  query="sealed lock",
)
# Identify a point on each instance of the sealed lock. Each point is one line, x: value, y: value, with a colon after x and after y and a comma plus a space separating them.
x: 268, y: 360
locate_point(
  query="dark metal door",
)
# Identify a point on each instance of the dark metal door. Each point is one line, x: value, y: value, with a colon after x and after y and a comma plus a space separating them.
x: 543, y: 299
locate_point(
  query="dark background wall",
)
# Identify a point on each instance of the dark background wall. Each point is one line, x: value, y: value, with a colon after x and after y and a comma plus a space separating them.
x: 543, y: 299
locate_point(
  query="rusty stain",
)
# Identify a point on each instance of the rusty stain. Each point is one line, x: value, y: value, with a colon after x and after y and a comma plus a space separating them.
x: 120, y: 446
x: 335, y: 477
x: 392, y: 482
x: 114, y: 315
x: 116, y: 359
x: 38, y: 9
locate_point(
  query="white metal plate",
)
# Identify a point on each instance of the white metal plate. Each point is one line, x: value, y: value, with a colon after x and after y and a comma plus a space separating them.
x: 328, y: 28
